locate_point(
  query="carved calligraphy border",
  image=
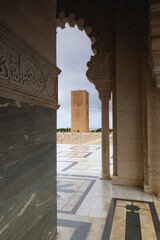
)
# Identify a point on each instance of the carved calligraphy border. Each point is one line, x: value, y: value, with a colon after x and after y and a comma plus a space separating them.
x: 24, y: 74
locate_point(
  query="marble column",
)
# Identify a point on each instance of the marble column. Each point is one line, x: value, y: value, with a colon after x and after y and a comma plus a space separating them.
x: 105, y: 97
x: 114, y: 110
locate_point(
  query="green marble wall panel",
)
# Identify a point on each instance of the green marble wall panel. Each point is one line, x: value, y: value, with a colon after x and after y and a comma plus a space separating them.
x: 27, y: 171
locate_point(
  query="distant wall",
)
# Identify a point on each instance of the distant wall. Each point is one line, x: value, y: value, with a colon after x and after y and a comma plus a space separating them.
x: 78, y: 138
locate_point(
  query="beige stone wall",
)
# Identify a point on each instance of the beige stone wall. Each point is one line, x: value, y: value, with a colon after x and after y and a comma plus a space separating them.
x: 153, y: 132
x: 79, y: 138
x: 79, y: 111
x: 128, y: 90
x: 34, y: 21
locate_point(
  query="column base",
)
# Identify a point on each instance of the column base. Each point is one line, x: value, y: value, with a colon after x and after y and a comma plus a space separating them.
x: 152, y: 189
x: 104, y: 177
x: 127, y: 182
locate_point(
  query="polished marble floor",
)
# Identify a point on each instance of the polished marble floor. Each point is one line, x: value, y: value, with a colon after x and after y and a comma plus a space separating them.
x: 90, y: 208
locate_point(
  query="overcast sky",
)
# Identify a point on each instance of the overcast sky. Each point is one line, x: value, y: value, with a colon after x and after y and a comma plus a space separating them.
x: 73, y: 53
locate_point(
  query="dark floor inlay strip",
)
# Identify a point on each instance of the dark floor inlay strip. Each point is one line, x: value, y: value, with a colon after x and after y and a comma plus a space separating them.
x: 155, y: 219
x: 79, y: 202
x: 108, y: 225
x: 133, y: 231
x: 81, y: 228
x: 70, y: 166
x: 133, y: 226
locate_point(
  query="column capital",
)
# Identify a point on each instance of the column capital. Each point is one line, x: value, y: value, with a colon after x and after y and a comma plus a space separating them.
x: 105, y: 96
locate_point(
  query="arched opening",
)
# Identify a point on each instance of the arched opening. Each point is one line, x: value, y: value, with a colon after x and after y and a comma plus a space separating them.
x: 65, y: 82
x: 79, y: 165
x: 73, y: 53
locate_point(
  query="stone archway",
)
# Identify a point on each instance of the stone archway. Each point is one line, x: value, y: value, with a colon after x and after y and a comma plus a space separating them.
x: 72, y: 21
x: 100, y: 73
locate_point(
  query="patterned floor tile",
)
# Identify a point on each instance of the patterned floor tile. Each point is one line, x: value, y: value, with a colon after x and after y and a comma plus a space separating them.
x: 94, y: 209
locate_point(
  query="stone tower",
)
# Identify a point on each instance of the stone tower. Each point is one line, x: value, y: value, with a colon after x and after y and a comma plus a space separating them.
x: 79, y: 111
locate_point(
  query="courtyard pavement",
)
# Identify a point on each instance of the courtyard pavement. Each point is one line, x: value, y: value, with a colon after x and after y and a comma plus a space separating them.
x: 84, y: 201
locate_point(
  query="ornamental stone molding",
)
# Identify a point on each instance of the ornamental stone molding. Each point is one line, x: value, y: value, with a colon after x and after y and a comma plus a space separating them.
x: 155, y: 66
x: 100, y: 67
x: 102, y: 62
x: 155, y: 42
x: 26, y: 76
x: 105, y: 97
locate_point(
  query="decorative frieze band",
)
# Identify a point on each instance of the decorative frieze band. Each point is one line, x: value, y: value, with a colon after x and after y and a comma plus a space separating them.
x: 155, y: 66
x: 24, y: 74
x: 154, y: 43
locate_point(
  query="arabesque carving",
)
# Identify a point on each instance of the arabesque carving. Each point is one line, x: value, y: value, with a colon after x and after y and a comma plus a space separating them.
x: 102, y: 63
x: 33, y: 80
x: 9, y: 64
x: 32, y: 77
x: 154, y: 42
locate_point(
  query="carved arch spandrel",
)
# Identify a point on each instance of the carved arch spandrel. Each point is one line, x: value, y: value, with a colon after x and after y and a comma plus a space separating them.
x: 102, y: 63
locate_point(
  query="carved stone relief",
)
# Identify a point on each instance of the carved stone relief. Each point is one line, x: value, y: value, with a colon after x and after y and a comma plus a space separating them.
x: 34, y: 79
x: 102, y: 62
x: 9, y: 64
x: 155, y: 43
